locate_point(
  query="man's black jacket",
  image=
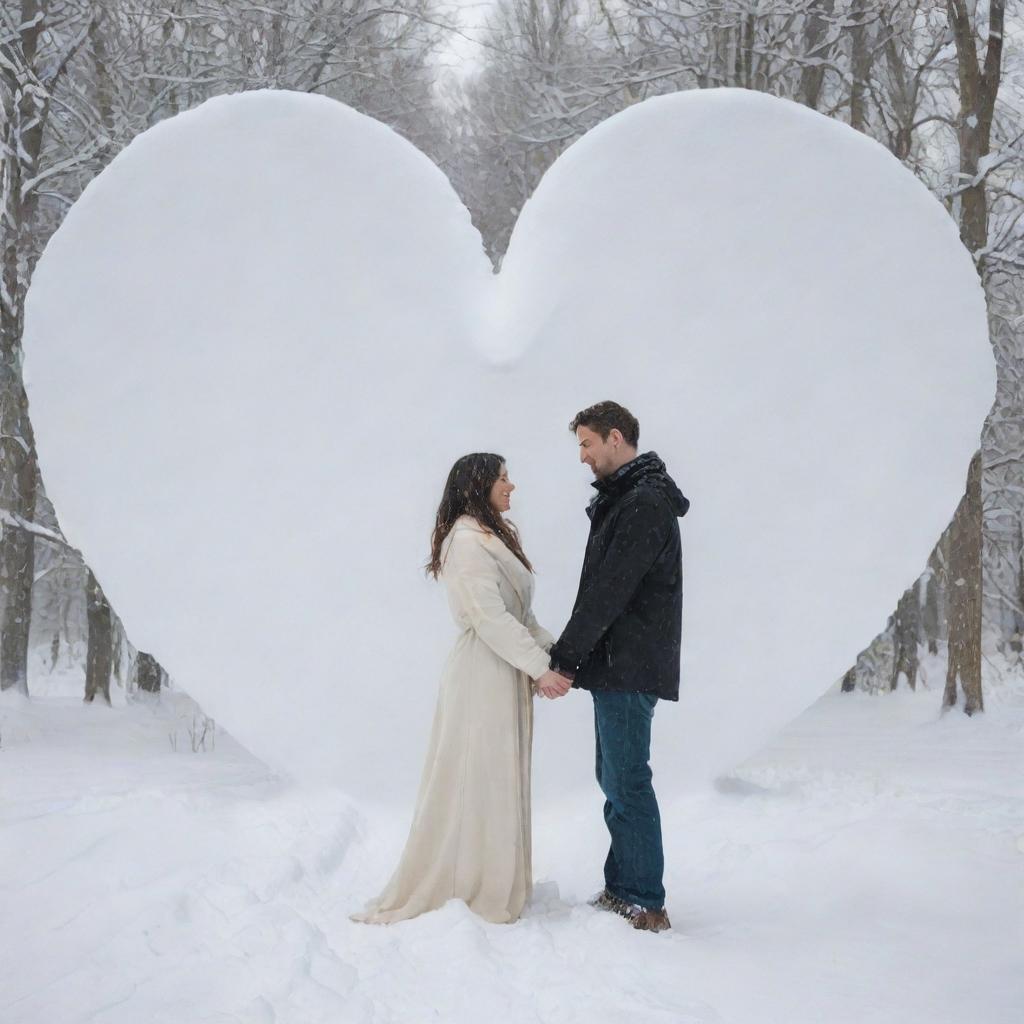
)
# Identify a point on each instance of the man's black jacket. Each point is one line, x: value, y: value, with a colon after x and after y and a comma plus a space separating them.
x: 626, y: 625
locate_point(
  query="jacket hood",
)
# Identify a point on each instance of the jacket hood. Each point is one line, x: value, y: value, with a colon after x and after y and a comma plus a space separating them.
x: 645, y: 470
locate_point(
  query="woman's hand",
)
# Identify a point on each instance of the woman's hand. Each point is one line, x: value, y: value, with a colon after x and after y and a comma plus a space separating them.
x: 552, y: 685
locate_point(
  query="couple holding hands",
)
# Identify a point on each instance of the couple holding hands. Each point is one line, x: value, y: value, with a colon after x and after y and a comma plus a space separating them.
x: 470, y: 837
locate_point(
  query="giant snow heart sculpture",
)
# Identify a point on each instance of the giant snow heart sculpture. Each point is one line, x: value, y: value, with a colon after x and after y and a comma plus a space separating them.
x: 264, y: 333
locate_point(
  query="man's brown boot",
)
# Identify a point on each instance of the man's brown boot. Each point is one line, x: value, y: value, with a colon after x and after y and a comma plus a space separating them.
x: 604, y: 900
x: 645, y: 920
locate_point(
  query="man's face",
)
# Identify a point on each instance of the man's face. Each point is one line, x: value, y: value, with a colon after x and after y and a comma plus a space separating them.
x: 602, y: 456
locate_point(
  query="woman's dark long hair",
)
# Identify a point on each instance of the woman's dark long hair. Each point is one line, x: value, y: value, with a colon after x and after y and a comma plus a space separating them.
x: 467, y: 492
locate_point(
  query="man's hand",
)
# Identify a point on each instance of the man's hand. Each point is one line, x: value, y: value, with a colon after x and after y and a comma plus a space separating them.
x: 553, y: 685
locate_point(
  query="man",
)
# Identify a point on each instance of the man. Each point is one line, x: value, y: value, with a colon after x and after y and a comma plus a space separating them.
x: 622, y: 643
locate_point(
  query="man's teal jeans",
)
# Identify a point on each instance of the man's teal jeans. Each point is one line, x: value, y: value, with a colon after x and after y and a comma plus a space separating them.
x: 636, y: 861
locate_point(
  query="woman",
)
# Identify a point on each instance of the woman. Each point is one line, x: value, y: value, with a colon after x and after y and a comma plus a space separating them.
x: 470, y: 834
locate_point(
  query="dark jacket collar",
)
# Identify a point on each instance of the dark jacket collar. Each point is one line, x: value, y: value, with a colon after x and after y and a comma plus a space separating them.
x: 626, y: 477
x: 646, y: 467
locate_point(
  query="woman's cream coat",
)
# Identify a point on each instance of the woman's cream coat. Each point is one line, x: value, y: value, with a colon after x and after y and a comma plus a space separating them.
x: 470, y: 834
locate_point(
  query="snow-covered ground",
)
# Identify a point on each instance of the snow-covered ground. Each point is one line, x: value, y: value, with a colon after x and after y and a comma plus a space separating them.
x: 868, y: 866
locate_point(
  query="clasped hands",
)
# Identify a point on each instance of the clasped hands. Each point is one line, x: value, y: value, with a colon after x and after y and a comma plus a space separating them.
x: 553, y: 685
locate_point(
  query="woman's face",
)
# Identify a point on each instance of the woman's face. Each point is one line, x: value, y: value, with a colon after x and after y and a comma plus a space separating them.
x: 501, y: 492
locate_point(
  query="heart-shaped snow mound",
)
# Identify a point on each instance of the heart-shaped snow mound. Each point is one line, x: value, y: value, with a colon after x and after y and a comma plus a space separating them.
x: 264, y: 333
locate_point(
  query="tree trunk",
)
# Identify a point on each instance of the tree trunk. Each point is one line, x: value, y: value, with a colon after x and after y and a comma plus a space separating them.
x: 812, y: 76
x: 17, y: 566
x: 1017, y: 637
x: 964, y: 595
x: 18, y: 475
x: 148, y: 673
x: 748, y: 29
x: 932, y: 612
x: 20, y: 144
x: 979, y: 84
x: 906, y: 628
x: 860, y: 66
x: 100, y: 653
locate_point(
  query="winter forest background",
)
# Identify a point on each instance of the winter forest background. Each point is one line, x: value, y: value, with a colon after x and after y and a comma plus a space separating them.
x: 493, y: 93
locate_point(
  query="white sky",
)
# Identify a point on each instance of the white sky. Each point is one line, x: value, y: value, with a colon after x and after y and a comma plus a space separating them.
x: 463, y: 54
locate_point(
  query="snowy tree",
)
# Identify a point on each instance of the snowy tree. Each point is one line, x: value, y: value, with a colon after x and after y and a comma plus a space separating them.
x: 551, y: 73
x: 978, y: 73
x: 1003, y: 470
x: 38, y: 42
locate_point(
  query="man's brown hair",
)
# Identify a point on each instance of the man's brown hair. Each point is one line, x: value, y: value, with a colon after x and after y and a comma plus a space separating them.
x: 604, y: 417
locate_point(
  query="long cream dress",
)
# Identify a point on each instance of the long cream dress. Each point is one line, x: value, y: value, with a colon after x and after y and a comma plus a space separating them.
x: 470, y: 834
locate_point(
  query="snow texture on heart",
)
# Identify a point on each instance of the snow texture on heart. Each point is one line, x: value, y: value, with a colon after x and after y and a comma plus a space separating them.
x: 262, y: 336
